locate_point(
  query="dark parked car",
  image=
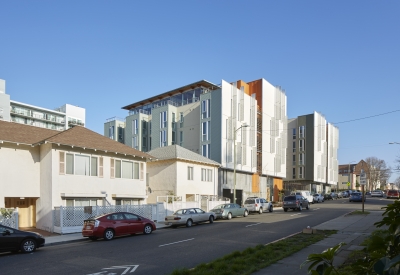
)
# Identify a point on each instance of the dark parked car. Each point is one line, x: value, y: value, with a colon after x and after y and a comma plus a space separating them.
x: 14, y: 240
x: 368, y: 193
x: 328, y: 197
x: 116, y: 224
x: 356, y: 196
x: 295, y: 202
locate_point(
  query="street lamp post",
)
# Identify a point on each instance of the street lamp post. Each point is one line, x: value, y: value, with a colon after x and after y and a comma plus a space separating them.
x: 234, y: 161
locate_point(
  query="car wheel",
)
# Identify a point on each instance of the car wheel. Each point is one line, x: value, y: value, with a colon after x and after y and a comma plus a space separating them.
x: 189, y: 223
x: 308, y: 206
x: 93, y: 238
x: 147, y: 229
x: 285, y: 209
x: 229, y: 216
x: 260, y: 211
x: 211, y: 219
x: 108, y: 234
x: 245, y: 213
x: 300, y: 208
x: 271, y: 209
x: 28, y: 245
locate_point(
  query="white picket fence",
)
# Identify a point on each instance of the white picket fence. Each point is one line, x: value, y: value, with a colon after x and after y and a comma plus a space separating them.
x: 69, y: 219
x: 10, y: 220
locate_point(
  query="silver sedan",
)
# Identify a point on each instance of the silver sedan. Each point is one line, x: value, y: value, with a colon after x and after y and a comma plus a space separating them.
x: 188, y: 216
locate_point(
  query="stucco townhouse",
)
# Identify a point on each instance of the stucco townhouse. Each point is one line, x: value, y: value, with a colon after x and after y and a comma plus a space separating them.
x: 41, y: 169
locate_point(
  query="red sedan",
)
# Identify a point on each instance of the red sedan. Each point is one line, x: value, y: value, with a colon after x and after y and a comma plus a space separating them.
x: 116, y: 224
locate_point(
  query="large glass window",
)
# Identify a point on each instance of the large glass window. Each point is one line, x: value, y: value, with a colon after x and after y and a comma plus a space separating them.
x: 127, y: 170
x: 82, y: 165
x: 294, y: 173
x: 181, y: 138
x: 206, y: 174
x: 205, y: 108
x: 206, y: 150
x: 163, y: 119
x: 294, y: 133
x: 135, y: 143
x: 294, y: 146
x: 135, y: 127
x: 206, y: 130
x: 302, y: 159
x: 163, y: 138
x: 111, y: 132
x: 302, y: 131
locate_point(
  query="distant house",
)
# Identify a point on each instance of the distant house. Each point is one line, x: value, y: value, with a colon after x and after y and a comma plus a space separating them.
x: 42, y: 169
x: 180, y: 172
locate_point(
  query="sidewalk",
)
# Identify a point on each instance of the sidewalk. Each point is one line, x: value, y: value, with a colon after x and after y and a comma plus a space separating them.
x: 77, y: 237
x: 352, y: 230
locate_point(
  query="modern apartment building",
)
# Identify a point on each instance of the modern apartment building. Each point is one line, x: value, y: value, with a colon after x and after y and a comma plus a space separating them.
x: 59, y: 119
x: 216, y: 121
x: 312, y: 162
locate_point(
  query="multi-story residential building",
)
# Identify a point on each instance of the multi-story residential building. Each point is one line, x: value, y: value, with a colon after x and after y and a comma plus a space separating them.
x: 312, y: 154
x: 115, y: 128
x: 216, y: 121
x: 59, y: 119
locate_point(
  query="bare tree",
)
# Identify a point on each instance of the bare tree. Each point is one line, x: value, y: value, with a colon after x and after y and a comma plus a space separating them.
x: 397, y: 164
x: 397, y: 182
x: 377, y: 172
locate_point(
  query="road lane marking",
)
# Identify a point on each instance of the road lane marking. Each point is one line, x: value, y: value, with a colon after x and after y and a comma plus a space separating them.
x: 315, y: 209
x: 176, y: 242
x: 253, y: 224
x: 295, y: 214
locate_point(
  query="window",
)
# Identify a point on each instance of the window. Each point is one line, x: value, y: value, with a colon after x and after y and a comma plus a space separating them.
x: 181, y: 119
x: 173, y: 123
x: 294, y: 133
x: 163, y: 138
x: 205, y: 108
x: 118, y: 169
x: 294, y: 146
x: 294, y: 159
x: 111, y: 132
x: 112, y: 168
x: 93, y: 166
x: 294, y: 173
x: 190, y: 173
x: 135, y: 127
x: 101, y: 167
x: 206, y: 150
x: 301, y: 172
x: 301, y: 145
x: 181, y: 138
x: 81, y: 202
x: 206, y: 174
x: 163, y: 119
x: 127, y: 170
x: 302, y: 159
x: 206, y: 130
x: 70, y: 164
x: 302, y: 131
x: 135, y: 143
x: 173, y: 141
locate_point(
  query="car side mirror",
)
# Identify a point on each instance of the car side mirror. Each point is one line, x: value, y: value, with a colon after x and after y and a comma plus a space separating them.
x: 7, y: 232
x: 139, y: 219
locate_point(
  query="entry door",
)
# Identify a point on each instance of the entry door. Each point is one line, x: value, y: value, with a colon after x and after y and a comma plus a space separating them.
x: 24, y: 215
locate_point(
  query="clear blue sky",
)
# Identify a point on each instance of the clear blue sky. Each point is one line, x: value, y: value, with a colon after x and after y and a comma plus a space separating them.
x: 340, y: 58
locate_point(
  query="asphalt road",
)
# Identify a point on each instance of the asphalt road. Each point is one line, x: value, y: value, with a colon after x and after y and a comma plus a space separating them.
x: 165, y: 250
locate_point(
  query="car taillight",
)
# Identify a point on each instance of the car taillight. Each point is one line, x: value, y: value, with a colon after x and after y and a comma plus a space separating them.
x: 177, y: 218
x: 297, y: 202
x: 256, y: 204
x: 96, y: 223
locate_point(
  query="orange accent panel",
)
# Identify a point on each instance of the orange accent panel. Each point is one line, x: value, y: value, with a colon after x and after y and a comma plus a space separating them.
x: 241, y: 83
x: 255, y: 183
x: 256, y: 88
x: 278, y: 186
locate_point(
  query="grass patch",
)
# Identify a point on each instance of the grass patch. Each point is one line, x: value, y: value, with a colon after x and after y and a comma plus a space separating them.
x: 358, y: 212
x: 253, y: 259
x: 346, y: 267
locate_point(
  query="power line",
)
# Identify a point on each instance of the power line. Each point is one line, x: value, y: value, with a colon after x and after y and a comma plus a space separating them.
x: 366, y: 117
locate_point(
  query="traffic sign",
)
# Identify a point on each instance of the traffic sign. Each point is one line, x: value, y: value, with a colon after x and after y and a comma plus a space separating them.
x: 363, y: 178
x: 348, y: 183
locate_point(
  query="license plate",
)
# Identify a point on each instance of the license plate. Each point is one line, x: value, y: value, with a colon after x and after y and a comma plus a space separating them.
x: 88, y: 227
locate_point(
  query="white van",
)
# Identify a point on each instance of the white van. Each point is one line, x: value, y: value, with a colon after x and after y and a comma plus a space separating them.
x: 305, y: 194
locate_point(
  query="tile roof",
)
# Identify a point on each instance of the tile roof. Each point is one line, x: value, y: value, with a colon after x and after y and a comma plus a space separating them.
x: 77, y: 136
x: 178, y: 152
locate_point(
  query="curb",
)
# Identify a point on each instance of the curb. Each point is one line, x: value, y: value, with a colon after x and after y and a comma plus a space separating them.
x: 82, y: 239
